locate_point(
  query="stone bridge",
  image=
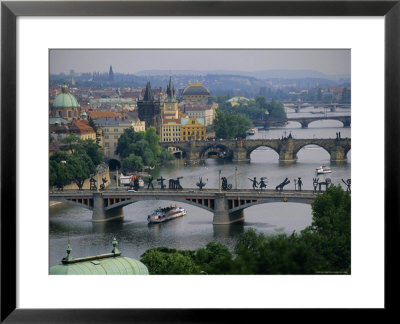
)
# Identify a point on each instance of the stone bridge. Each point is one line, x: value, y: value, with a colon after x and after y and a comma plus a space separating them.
x: 240, y: 150
x: 305, y: 121
x: 226, y: 206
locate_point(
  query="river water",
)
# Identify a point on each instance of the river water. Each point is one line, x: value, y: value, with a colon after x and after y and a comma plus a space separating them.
x: 195, y: 230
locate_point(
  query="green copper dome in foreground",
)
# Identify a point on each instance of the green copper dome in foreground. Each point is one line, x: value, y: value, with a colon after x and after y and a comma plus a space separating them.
x: 65, y: 99
x: 104, y: 264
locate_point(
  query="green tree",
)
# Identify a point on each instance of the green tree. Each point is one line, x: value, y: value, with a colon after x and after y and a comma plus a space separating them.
x: 132, y: 162
x: 71, y: 142
x: 228, y: 126
x: 214, y: 259
x: 168, y: 261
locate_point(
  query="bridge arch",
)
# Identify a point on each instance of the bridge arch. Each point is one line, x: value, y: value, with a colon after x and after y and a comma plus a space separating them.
x: 270, y: 200
x: 217, y: 148
x: 135, y: 200
x: 86, y: 203
x: 299, y: 147
x: 253, y: 148
x: 299, y: 152
x: 340, y: 122
x: 175, y: 149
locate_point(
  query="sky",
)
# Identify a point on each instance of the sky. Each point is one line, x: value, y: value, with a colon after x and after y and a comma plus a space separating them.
x: 131, y: 61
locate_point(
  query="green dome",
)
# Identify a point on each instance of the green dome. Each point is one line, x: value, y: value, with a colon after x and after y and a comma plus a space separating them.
x: 108, y: 266
x: 65, y: 99
x: 104, y: 264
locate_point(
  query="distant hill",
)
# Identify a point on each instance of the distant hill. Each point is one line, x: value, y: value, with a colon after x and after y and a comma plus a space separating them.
x: 263, y: 74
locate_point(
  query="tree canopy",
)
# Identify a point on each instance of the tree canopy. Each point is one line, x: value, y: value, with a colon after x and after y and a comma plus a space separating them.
x: 139, y: 149
x: 323, y: 247
x: 76, y: 162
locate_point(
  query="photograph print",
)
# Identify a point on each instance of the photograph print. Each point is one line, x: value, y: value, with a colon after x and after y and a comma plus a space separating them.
x: 200, y: 161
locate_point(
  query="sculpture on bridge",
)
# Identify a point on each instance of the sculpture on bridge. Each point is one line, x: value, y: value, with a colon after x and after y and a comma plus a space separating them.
x: 175, y: 184
x: 225, y: 185
x: 348, y: 184
x: 299, y: 183
x: 262, y: 183
x: 255, y: 183
x: 79, y: 182
x: 150, y: 183
x: 315, y: 183
x: 92, y: 184
x: 161, y: 181
x: 102, y: 186
x: 327, y: 182
x: 136, y: 183
x: 200, y: 184
x: 282, y: 184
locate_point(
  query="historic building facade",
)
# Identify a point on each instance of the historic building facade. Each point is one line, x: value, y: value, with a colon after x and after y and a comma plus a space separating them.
x: 112, y: 129
x: 193, y: 129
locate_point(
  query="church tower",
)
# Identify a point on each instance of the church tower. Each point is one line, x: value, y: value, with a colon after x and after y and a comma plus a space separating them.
x: 170, y: 107
x: 111, y: 74
x: 149, y: 109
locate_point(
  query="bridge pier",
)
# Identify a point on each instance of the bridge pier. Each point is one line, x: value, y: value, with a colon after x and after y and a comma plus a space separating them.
x: 338, y: 154
x: 221, y: 214
x: 304, y: 124
x: 101, y: 215
x: 240, y: 155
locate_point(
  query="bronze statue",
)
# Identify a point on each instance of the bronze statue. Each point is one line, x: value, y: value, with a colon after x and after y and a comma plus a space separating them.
x: 225, y: 185
x: 92, y: 184
x: 255, y: 183
x: 161, y: 181
x: 326, y: 183
x: 315, y: 183
x: 150, y: 184
x: 200, y: 184
x: 348, y: 184
x: 102, y: 186
x: 175, y: 184
x: 299, y: 183
x: 262, y: 183
x: 79, y: 182
x: 282, y: 184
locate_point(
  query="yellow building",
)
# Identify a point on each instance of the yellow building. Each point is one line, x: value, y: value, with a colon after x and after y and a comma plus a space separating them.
x: 193, y: 129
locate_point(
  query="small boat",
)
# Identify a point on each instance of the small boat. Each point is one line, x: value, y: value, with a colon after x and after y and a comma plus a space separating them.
x: 323, y: 170
x: 251, y: 131
x: 167, y: 213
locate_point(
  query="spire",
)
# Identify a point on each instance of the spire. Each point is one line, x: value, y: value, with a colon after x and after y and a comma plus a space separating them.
x: 170, y: 90
x: 111, y: 74
x: 148, y: 95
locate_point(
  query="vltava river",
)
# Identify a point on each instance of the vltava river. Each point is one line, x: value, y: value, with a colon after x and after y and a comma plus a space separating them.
x: 195, y: 230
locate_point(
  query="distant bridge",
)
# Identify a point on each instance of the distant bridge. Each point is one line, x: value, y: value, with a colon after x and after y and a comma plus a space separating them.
x: 299, y: 105
x: 304, y: 121
x: 227, y: 206
x: 241, y: 150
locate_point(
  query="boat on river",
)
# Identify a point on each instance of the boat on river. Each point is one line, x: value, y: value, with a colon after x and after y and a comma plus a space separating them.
x: 164, y: 214
x: 323, y: 170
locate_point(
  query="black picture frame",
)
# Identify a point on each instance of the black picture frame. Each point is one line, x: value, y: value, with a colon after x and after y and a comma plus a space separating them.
x: 10, y: 10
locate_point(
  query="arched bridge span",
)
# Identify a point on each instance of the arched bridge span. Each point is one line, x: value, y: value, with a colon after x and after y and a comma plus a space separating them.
x: 227, y: 206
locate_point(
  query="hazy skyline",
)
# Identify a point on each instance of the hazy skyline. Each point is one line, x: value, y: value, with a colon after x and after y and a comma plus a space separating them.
x: 329, y: 61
